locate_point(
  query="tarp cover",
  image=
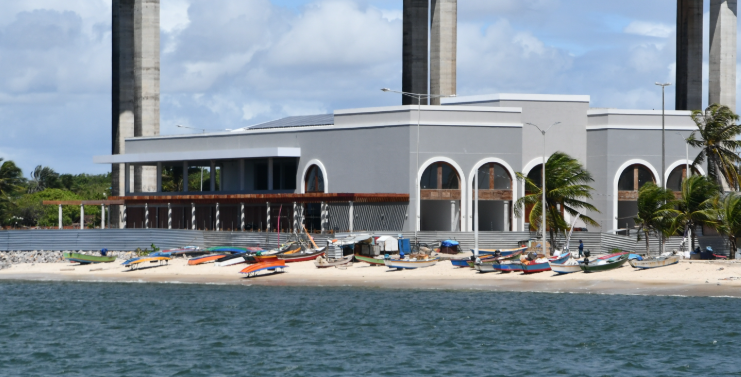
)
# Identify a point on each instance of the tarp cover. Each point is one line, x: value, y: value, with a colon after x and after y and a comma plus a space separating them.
x: 449, y: 243
x: 388, y: 243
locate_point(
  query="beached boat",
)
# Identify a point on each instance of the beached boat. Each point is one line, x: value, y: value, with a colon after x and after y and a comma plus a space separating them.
x: 206, y: 259
x: 569, y: 266
x: 543, y: 264
x: 230, y: 260
x: 187, y: 250
x: 273, y: 265
x: 320, y: 262
x: 503, y: 252
x: 87, y: 259
x: 605, y: 264
x: 301, y: 257
x: 484, y: 268
x: 409, y: 264
x: 654, y: 262
x: 227, y: 249
x: 506, y: 267
x: 466, y: 262
x: 369, y: 260
x: 136, y: 262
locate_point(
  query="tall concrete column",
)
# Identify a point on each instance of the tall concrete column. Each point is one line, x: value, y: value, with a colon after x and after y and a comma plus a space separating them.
x: 723, y: 26
x: 415, y: 50
x: 60, y: 217
x: 122, y: 92
x: 146, y: 82
x: 443, y: 48
x: 689, y: 55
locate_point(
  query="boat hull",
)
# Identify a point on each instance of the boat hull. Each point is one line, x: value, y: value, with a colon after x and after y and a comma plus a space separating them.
x: 291, y: 258
x: 408, y: 265
x: 272, y: 265
x: 461, y: 262
x: 205, y: 259
x: 338, y: 263
x: 507, y: 267
x: 485, y: 268
x: 565, y: 268
x: 504, y: 253
x: 139, y: 260
x: 372, y: 261
x: 619, y: 262
x: 654, y: 263
x: 87, y: 259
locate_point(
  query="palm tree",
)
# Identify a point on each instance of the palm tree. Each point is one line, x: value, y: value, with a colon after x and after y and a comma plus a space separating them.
x: 696, y: 203
x: 656, y: 213
x: 728, y: 211
x: 716, y: 137
x: 42, y: 177
x: 566, y: 187
x: 11, y: 178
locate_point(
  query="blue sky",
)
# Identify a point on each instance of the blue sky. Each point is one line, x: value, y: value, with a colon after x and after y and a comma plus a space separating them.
x: 233, y: 63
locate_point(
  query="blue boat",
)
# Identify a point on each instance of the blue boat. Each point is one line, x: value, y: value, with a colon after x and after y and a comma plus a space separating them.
x: 507, y: 267
x: 460, y: 262
x: 540, y: 267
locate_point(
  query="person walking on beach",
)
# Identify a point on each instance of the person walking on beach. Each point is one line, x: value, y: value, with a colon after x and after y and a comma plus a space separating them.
x: 581, y: 249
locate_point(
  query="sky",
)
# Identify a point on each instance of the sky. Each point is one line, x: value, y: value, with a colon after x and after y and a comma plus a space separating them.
x: 227, y: 64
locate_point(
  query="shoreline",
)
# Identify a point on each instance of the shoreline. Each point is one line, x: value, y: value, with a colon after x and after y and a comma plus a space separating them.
x: 687, y: 278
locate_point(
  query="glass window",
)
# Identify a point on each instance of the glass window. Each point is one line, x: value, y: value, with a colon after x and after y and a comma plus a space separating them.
x: 675, y: 179
x: 314, y: 180
x: 536, y: 175
x: 261, y: 175
x: 450, y: 178
x: 644, y: 176
x: 502, y: 180
x: 626, y: 182
x: 429, y: 178
x: 484, y: 177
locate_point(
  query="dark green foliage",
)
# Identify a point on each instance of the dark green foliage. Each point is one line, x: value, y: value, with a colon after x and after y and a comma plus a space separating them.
x: 717, y: 137
x: 656, y: 212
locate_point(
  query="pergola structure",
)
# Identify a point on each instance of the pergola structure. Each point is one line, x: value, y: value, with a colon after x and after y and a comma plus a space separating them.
x: 82, y: 204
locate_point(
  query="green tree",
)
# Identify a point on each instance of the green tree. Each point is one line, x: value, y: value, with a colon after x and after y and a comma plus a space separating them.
x: 696, y: 203
x: 43, y: 177
x: 11, y: 181
x: 716, y: 137
x: 567, y: 187
x: 28, y: 209
x: 656, y: 212
x: 727, y: 209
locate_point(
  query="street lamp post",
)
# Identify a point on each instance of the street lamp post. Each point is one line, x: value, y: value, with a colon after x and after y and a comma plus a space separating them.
x: 419, y: 97
x: 663, y: 146
x: 543, y: 224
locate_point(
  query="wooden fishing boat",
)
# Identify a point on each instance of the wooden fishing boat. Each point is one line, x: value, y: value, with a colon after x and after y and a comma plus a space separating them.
x: 87, y: 259
x: 605, y: 264
x: 535, y: 266
x: 504, y: 252
x: 303, y: 257
x: 409, y: 264
x: 568, y: 267
x: 484, y: 268
x: 136, y: 262
x: 369, y: 260
x: 206, y: 259
x: 466, y: 262
x: 273, y: 265
x: 320, y: 262
x: 506, y: 267
x: 654, y: 262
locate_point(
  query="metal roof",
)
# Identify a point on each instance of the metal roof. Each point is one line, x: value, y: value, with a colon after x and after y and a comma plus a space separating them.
x: 296, y: 121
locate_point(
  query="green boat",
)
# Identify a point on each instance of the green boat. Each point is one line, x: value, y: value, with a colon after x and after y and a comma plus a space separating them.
x: 87, y: 259
x: 598, y: 265
x: 373, y: 261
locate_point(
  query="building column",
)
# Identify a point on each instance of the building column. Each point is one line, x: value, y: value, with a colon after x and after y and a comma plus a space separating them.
x: 159, y: 177
x: 270, y: 175
x: 452, y: 216
x: 267, y: 227
x: 241, y: 175
x: 506, y: 216
x: 241, y: 217
x: 82, y: 217
x: 295, y: 218
x: 193, y: 216
x: 689, y: 55
x: 722, y: 88
x: 212, y: 176
x: 323, y: 217
x: 185, y: 176
x: 169, y: 216
x: 351, y: 216
x: 415, y: 49
x: 443, y: 48
x: 218, y: 218
x: 60, y: 217
x: 102, y: 216
x: 146, y: 216
x: 127, y: 179
x: 123, y: 217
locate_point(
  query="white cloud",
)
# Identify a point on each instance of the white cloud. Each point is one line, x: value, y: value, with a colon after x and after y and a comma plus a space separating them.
x: 650, y: 29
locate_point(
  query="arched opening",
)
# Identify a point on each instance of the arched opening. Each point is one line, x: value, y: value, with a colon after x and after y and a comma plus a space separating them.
x: 495, y: 198
x: 631, y: 180
x: 314, y: 180
x: 440, y: 198
x: 536, y: 176
x: 676, y: 177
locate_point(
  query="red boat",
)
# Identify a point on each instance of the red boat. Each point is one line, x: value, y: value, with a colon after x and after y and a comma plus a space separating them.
x: 263, y: 266
x: 290, y: 258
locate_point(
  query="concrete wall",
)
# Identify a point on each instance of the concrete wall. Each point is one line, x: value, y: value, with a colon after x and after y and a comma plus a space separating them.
x: 723, y: 35
x: 689, y: 55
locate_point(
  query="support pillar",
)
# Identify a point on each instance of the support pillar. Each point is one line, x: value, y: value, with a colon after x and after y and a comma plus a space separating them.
x: 123, y: 217
x: 689, y: 55
x: 415, y: 49
x: 443, y: 48
x: 60, y: 217
x: 241, y: 175
x: 127, y: 179
x: 452, y: 216
x: 295, y: 218
x: 267, y: 227
x: 146, y: 216
x: 323, y: 217
x: 241, y: 216
x: 82, y: 217
x: 507, y: 227
x: 270, y: 174
x: 218, y: 218
x: 102, y: 216
x: 723, y: 25
x: 352, y: 217
x: 185, y: 176
x: 169, y: 216
x: 193, y: 216
x: 212, y: 176
x: 159, y: 177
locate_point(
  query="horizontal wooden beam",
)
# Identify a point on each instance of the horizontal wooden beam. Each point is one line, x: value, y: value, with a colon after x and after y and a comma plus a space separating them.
x: 83, y: 202
x: 263, y: 198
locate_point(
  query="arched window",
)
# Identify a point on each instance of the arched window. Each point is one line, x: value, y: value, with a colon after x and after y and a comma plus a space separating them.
x: 536, y: 175
x: 676, y: 178
x: 634, y: 177
x: 314, y: 180
x: 493, y: 176
x: 440, y: 176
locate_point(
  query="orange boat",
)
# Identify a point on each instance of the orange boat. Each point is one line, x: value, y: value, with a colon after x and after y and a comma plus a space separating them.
x: 264, y: 266
x: 206, y: 259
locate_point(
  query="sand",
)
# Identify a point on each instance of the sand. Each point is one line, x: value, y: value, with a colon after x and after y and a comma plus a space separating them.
x: 688, y: 278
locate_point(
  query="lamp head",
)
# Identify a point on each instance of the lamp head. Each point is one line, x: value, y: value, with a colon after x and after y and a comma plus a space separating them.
x: 385, y: 90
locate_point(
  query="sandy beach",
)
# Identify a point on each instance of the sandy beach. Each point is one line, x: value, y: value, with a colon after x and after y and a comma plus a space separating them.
x: 690, y: 278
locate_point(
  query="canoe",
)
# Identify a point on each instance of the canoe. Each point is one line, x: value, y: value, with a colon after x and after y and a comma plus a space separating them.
x: 273, y: 265
x: 605, y: 264
x: 290, y: 258
x: 504, y: 252
x: 532, y: 267
x: 323, y: 263
x: 654, y: 262
x: 409, y: 264
x: 135, y: 262
x: 369, y: 260
x: 206, y: 259
x: 87, y: 259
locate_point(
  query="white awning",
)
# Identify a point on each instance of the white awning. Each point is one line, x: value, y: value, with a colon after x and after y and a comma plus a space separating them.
x: 221, y: 154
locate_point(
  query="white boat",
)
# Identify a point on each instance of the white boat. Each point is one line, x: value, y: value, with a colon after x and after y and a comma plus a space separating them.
x: 409, y: 263
x: 230, y: 262
x: 568, y: 267
x: 485, y: 267
x: 654, y: 262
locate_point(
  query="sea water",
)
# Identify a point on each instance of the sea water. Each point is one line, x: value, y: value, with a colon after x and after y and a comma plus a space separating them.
x: 120, y: 329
